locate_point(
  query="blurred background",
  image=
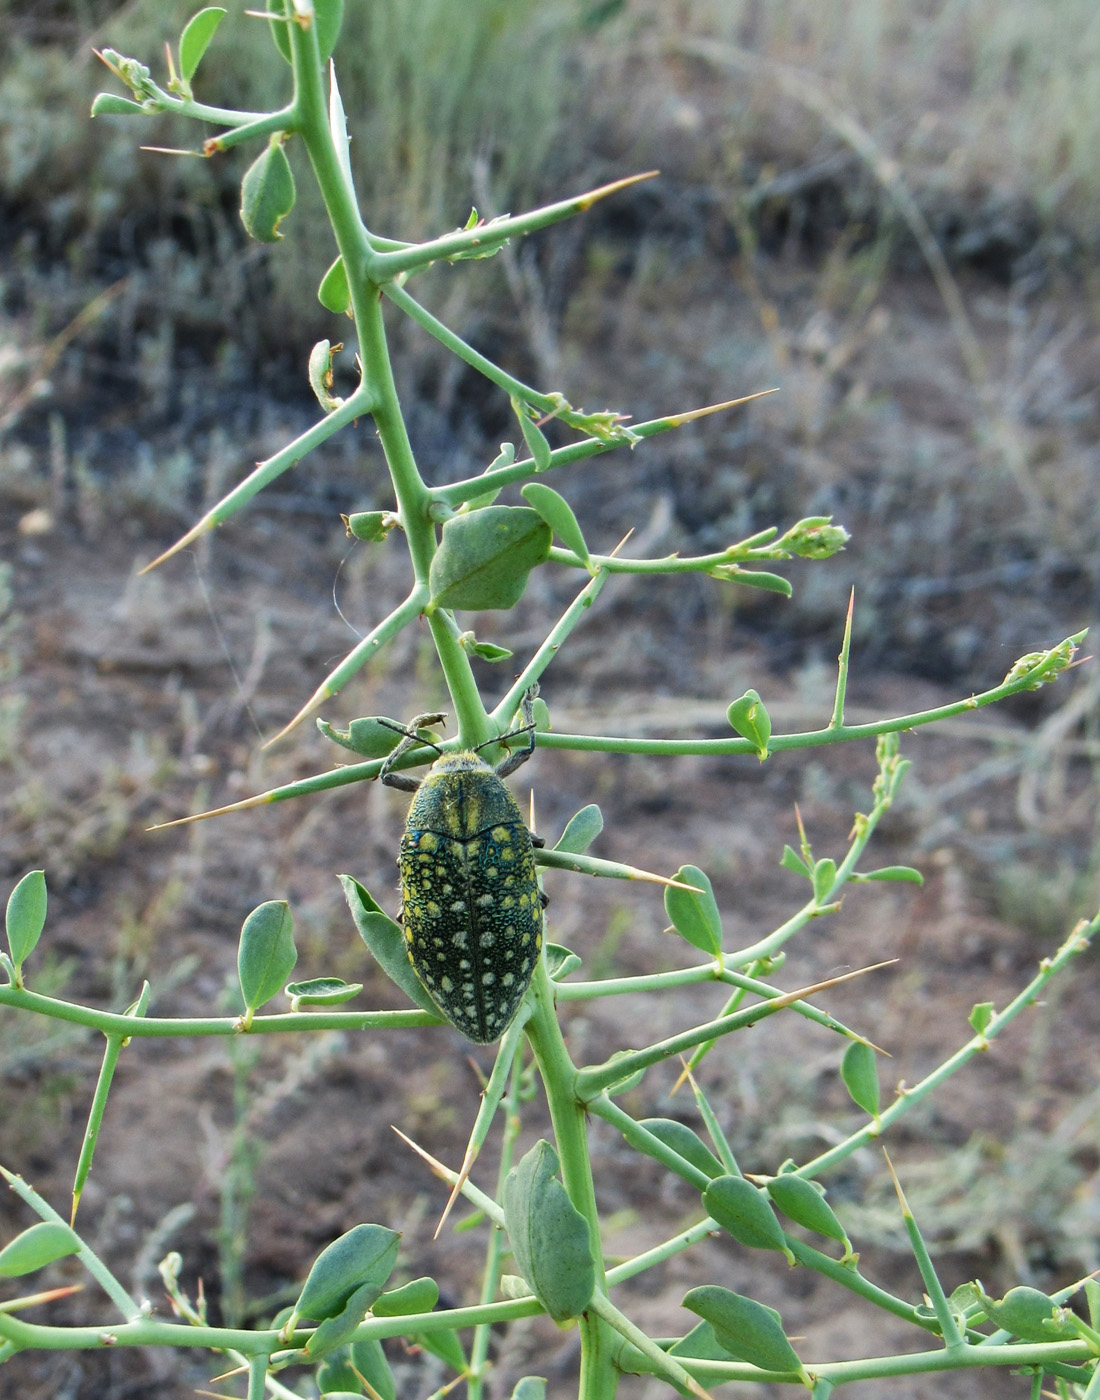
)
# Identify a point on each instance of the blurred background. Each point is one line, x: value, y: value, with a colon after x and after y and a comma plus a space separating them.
x: 890, y: 211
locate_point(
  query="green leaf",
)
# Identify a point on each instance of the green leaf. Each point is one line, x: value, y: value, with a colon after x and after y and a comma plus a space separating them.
x: 898, y: 874
x: 695, y: 916
x: 369, y: 1360
x: 484, y: 651
x: 335, y: 1377
x: 446, y: 1346
x: 558, y: 514
x: 419, y: 1295
x: 369, y: 737
x: 686, y: 1142
x: 630, y: 1079
x: 745, y: 1212
x: 484, y: 559
x: 859, y: 1072
x: 700, y: 1344
x: 560, y: 962
x: 320, y: 375
x: 980, y: 1017
x: 329, y: 16
x: 804, y: 1202
x: 266, y: 953
x: 385, y: 942
x: 338, y: 1330
x: 371, y: 526
x: 823, y: 878
x: 363, y: 1258
x: 749, y: 717
x: 533, y: 436
x: 792, y: 861
x: 1027, y: 1314
x: 334, y: 293
x: 580, y: 831
x: 751, y: 578
x: 109, y: 104
x: 530, y: 1388
x: 195, y: 39
x: 25, y: 917
x: 550, y: 1239
x: 267, y: 192
x: 321, y: 991
x: 36, y: 1247
x: 745, y: 1328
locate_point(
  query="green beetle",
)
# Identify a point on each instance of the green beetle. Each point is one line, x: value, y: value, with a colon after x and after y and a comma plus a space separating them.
x: 471, y: 905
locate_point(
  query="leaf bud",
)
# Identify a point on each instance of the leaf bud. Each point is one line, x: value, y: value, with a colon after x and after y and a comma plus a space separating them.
x: 816, y: 537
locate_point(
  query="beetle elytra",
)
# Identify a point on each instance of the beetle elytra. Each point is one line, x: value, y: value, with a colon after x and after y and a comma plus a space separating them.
x: 470, y: 899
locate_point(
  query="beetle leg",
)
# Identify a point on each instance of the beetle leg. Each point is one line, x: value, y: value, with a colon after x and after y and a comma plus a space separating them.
x: 513, y: 761
x: 411, y: 738
x: 538, y: 841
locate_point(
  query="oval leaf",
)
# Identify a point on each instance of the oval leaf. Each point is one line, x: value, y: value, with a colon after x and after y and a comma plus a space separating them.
x: 684, y: 1141
x: 334, y: 293
x: 195, y: 39
x: 859, y: 1072
x: 899, y: 874
x: 361, y: 1259
x: 804, y: 1202
x: 335, y: 1377
x: 419, y: 1295
x: 745, y: 1212
x: 755, y: 578
x: 321, y: 991
x: 695, y: 916
x: 1026, y: 1313
x: 267, y: 192
x: 329, y: 16
x: 580, y: 831
x: 560, y: 962
x: 25, y: 917
x: 550, y: 1240
x: 530, y: 1388
x: 109, y: 104
x: 558, y: 514
x: 823, y: 878
x: 266, y: 953
x: 749, y: 717
x: 37, y: 1247
x: 533, y: 435
x: 385, y: 942
x: 981, y: 1013
x: 484, y: 559
x: 484, y: 651
x: 744, y: 1328
x: 793, y: 862
x: 369, y: 1360
x: 446, y: 1346
x: 370, y: 525
x: 371, y: 737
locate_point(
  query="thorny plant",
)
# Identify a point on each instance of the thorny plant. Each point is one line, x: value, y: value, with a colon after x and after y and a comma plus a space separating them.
x: 471, y: 893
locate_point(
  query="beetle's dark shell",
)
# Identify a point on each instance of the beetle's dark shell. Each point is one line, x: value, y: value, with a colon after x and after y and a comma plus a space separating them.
x: 470, y: 897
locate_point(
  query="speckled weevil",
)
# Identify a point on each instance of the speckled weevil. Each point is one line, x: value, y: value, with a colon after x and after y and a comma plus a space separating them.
x: 470, y: 901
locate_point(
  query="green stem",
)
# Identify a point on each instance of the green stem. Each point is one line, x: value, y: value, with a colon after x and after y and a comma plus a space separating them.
x: 494, y: 1251
x: 358, y: 772
x: 1077, y: 942
x: 155, y: 1027
x: 567, y: 1114
x: 114, y: 1290
x: 474, y: 486
x: 643, y: 1140
x: 359, y: 258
